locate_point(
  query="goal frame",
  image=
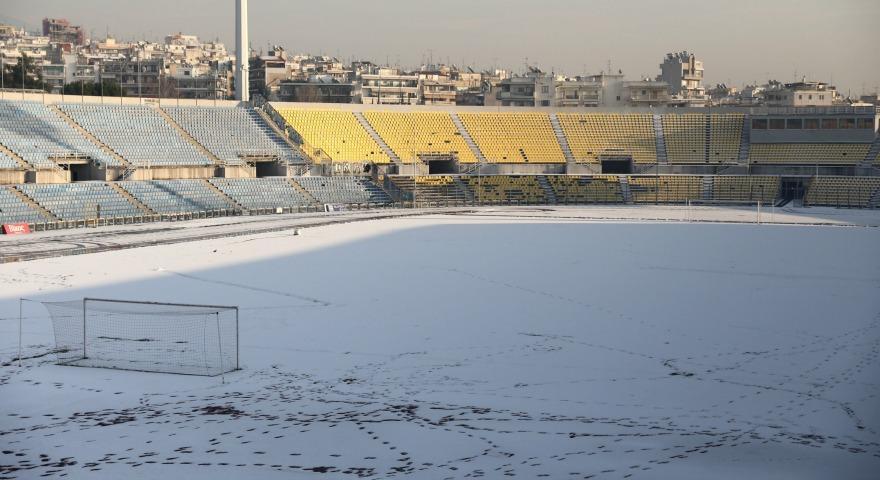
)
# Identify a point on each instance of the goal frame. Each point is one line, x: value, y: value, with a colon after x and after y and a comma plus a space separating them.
x: 759, y: 206
x: 86, y: 300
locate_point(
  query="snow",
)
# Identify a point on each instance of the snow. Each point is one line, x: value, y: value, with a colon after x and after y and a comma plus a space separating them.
x: 527, y: 342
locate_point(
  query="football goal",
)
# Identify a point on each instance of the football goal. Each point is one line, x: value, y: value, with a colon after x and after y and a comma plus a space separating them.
x: 146, y: 336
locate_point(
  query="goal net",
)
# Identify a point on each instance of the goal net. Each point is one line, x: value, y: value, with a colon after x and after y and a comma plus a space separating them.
x: 146, y: 336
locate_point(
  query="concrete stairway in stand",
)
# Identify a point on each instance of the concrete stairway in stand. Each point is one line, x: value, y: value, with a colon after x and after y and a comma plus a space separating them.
x: 88, y: 135
x: 189, y: 138
x: 20, y: 161
x: 280, y: 132
x: 549, y: 193
x: 134, y: 201
x: 375, y: 136
x: 708, y: 190
x: 303, y: 191
x: 745, y: 141
x: 624, y: 189
x: 660, y: 140
x: 561, y: 138
x: 468, y: 139
x: 872, y: 155
x: 231, y: 201
x: 50, y: 217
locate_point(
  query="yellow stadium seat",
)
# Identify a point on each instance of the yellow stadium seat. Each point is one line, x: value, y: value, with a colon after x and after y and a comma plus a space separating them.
x: 411, y: 134
x: 593, y: 135
x: 514, y: 137
x: 336, y: 133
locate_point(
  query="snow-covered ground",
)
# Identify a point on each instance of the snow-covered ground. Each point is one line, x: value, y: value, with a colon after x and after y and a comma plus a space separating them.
x: 509, y: 342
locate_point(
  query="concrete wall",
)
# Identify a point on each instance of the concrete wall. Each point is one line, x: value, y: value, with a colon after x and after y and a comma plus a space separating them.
x: 49, y: 176
x: 11, y: 176
x: 242, y: 171
x: 172, y: 173
x: 49, y: 98
x: 862, y: 135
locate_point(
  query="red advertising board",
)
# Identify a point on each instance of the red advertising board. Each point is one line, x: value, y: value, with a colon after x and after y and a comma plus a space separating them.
x: 16, y: 228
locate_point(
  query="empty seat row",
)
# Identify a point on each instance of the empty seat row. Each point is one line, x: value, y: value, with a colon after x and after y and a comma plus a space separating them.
x: 42, y: 138
x: 591, y: 136
x: 583, y: 189
x: 233, y: 134
x: 666, y: 189
x: 334, y: 134
x: 79, y: 201
x: 14, y: 210
x: 177, y: 196
x: 138, y: 133
x: 6, y: 162
x: 343, y: 189
x: 809, y: 153
x: 514, y: 137
x: 262, y: 193
x: 413, y: 135
x: 858, y: 192
x: 751, y: 188
x: 503, y: 189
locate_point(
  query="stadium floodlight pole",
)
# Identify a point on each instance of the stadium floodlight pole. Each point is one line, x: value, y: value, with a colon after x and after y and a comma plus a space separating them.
x: 242, y: 52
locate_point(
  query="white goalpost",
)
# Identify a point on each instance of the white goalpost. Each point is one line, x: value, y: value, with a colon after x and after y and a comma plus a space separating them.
x: 146, y: 336
x: 759, y: 207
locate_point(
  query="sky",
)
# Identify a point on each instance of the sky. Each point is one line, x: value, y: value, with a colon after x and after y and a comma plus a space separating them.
x: 739, y: 42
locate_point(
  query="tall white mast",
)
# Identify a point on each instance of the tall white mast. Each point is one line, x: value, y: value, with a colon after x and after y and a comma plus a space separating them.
x: 242, y: 53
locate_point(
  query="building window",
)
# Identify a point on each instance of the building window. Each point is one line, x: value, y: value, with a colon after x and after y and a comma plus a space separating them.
x: 800, y: 97
x: 821, y: 97
x: 866, y: 123
x: 545, y: 89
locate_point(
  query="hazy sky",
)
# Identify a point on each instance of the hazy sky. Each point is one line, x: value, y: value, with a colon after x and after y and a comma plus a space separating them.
x: 739, y: 42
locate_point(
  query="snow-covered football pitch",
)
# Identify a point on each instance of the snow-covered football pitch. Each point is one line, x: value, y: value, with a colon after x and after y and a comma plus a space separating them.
x: 516, y: 342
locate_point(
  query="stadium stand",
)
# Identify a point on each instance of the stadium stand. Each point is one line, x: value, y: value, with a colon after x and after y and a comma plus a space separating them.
x: 232, y: 133
x: 578, y: 189
x: 337, y: 134
x: 176, y: 196
x: 37, y: 134
x: 435, y: 189
x: 414, y: 134
x: 809, y: 153
x: 138, y: 133
x: 262, y: 193
x: 854, y: 192
x: 514, y: 137
x: 685, y: 136
x: 665, y: 189
x: 79, y: 201
x: 593, y: 135
x: 506, y: 189
x: 343, y: 189
x: 725, y: 134
x: 764, y: 189
x: 14, y: 210
x: 6, y: 162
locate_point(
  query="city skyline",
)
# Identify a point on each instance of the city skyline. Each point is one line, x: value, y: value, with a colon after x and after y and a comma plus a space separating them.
x: 562, y: 36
